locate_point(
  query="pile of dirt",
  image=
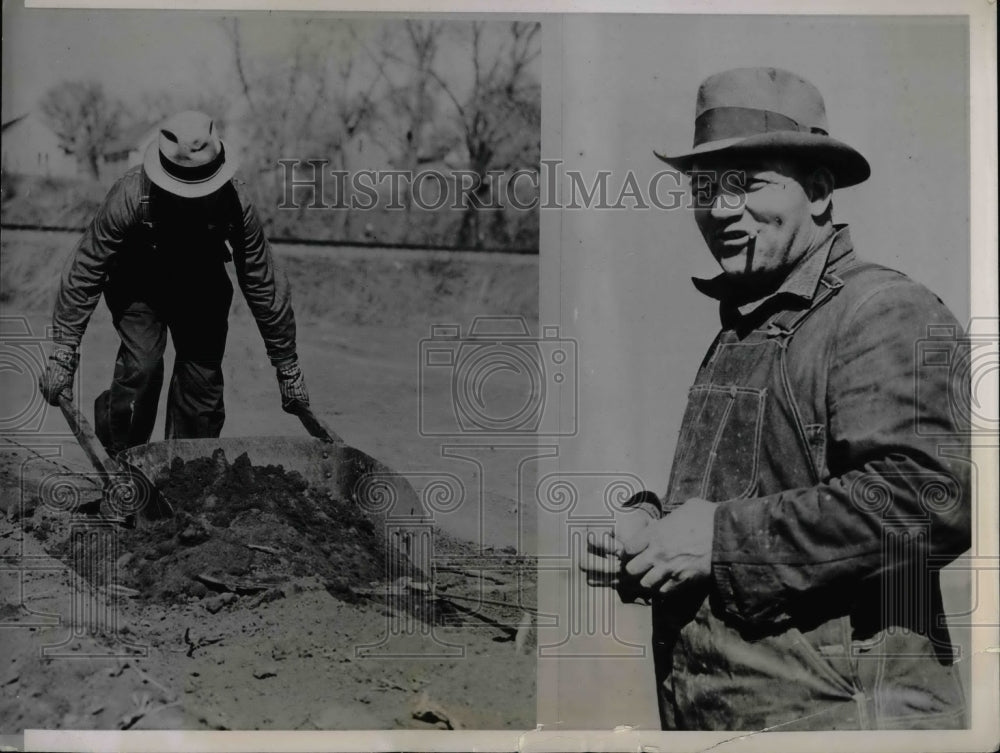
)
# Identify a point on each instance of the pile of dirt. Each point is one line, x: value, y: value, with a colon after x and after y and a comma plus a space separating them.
x: 244, y: 529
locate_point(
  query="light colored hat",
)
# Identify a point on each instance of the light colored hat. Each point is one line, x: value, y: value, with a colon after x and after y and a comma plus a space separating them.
x: 188, y: 159
x: 767, y: 110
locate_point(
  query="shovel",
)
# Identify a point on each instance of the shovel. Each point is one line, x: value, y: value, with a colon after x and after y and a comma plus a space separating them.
x: 314, y: 425
x: 126, y: 488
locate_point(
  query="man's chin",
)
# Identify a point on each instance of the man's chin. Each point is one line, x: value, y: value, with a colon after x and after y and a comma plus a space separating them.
x: 734, y: 265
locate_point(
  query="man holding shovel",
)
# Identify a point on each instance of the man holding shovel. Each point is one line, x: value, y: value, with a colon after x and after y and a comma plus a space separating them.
x: 156, y: 251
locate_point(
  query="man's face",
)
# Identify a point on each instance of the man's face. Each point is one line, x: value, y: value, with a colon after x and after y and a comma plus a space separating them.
x: 757, y: 217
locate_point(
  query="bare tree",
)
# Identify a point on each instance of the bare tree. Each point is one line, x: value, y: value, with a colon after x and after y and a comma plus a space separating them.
x: 339, y: 88
x: 84, y: 119
x: 408, y: 111
x: 155, y: 106
x: 351, y: 105
x: 306, y: 106
x: 499, y: 118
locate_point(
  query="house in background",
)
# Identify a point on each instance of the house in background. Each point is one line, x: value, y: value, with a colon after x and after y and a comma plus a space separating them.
x: 30, y: 147
x: 128, y: 149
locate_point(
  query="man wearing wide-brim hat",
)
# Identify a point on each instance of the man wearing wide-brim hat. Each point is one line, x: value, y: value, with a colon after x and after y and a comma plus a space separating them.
x: 821, y: 475
x: 157, y: 251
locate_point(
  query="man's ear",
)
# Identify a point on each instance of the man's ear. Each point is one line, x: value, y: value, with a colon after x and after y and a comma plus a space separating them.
x: 819, y: 188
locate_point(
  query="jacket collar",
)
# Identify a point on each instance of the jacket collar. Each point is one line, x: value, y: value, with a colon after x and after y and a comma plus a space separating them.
x: 802, y: 282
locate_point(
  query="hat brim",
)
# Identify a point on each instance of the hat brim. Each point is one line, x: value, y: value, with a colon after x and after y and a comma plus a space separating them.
x: 160, y: 177
x: 847, y: 164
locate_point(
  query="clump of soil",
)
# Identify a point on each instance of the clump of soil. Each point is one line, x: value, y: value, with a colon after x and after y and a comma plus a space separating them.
x: 242, y: 528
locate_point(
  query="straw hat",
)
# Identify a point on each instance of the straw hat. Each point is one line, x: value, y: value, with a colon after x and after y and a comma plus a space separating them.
x: 188, y: 159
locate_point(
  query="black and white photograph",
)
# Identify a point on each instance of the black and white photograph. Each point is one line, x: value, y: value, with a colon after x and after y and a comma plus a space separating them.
x: 528, y: 377
x: 764, y: 257
x: 246, y: 260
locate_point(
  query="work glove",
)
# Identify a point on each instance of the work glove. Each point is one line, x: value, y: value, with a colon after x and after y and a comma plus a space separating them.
x: 58, y: 377
x: 292, y: 385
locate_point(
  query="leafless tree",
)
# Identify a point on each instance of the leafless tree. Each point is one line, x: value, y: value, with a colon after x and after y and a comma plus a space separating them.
x: 155, y: 106
x: 499, y: 118
x: 407, y: 112
x: 84, y: 119
x: 306, y: 106
x: 435, y: 114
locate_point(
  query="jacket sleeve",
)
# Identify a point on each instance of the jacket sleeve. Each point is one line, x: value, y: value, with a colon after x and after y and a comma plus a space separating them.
x: 265, y: 286
x: 86, y: 270
x: 898, y: 455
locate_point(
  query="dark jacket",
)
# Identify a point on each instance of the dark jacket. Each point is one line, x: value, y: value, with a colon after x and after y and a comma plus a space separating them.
x: 826, y: 421
x: 130, y: 243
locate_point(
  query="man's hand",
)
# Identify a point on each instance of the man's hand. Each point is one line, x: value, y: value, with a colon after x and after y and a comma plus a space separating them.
x: 675, y: 551
x: 58, y: 377
x: 292, y: 385
x: 605, y: 556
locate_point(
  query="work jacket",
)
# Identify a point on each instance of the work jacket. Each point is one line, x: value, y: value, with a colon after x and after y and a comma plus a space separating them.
x: 827, y: 421
x: 136, y: 245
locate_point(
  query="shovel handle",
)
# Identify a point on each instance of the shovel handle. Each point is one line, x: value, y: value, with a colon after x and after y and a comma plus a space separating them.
x: 84, y: 433
x: 155, y: 506
x: 316, y: 426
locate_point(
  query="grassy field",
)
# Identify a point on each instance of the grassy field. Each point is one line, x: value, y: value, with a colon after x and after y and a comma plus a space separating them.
x: 358, y: 286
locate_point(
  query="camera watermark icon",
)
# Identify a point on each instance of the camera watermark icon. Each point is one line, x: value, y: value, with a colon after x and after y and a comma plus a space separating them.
x: 406, y: 520
x: 935, y: 493
x: 65, y: 492
x: 116, y: 496
x: 479, y: 590
x: 94, y: 609
x: 23, y: 361
x: 909, y: 505
x: 580, y: 505
x: 970, y: 363
x: 503, y: 380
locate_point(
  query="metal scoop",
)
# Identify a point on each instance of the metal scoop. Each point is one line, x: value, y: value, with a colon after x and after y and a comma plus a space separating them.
x: 128, y: 493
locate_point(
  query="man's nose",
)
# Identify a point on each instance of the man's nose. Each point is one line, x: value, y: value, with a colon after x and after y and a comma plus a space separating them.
x: 727, y: 204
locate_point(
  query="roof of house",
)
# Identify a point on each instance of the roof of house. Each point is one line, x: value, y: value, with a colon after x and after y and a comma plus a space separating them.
x: 12, y: 121
x: 131, y: 138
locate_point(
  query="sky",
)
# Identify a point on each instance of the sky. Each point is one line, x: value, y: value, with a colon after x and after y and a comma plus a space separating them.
x: 134, y: 52
x: 128, y: 51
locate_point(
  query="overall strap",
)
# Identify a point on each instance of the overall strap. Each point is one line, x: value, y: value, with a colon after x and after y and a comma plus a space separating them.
x: 146, y: 225
x: 146, y: 209
x: 145, y: 205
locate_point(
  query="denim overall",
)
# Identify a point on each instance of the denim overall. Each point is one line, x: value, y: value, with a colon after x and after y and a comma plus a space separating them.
x: 745, y: 434
x: 173, y: 280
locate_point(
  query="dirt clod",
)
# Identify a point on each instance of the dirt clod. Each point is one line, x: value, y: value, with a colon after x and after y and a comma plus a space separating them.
x: 216, y: 603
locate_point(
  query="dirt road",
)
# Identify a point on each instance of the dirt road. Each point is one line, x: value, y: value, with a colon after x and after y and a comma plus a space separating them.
x: 301, y: 654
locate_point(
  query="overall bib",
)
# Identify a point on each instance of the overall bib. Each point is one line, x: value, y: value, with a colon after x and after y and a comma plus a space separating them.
x: 745, y: 435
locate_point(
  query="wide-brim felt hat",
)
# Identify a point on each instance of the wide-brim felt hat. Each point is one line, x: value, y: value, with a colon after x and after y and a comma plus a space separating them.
x: 188, y: 158
x: 766, y: 111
